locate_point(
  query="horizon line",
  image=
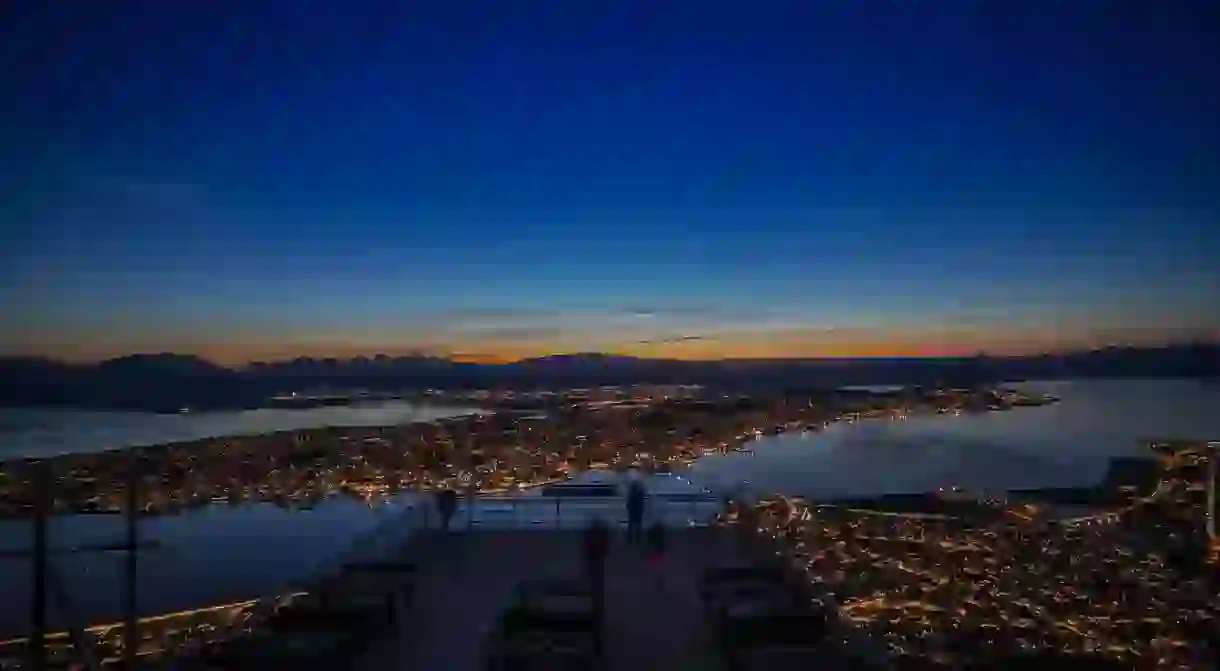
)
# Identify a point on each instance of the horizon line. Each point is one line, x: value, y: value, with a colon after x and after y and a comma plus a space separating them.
x: 461, y: 358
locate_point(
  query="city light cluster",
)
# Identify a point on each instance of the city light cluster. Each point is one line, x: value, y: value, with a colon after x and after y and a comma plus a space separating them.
x: 1130, y: 585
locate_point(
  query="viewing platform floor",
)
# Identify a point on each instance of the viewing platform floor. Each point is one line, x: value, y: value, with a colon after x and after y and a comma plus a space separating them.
x: 466, y: 580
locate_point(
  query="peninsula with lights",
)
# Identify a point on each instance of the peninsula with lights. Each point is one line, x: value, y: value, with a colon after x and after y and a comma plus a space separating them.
x: 648, y: 427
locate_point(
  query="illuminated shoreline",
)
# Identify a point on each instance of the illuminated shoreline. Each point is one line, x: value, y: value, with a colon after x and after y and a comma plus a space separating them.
x: 1103, y: 585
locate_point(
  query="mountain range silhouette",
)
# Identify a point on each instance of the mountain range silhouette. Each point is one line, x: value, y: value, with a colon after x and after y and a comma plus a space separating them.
x: 166, y: 381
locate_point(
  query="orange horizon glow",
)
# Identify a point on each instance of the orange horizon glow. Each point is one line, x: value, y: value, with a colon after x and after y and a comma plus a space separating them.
x: 760, y: 345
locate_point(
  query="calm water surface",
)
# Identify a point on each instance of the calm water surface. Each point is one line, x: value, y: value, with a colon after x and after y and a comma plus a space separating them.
x: 210, y: 555
x: 233, y: 552
x: 1065, y: 444
x: 36, y: 432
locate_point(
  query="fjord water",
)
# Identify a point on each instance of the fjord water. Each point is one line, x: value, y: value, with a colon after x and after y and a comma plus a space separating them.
x: 1060, y: 445
x: 42, y: 432
x: 220, y: 553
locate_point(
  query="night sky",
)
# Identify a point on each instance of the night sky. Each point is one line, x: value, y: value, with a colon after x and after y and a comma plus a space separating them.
x: 254, y: 180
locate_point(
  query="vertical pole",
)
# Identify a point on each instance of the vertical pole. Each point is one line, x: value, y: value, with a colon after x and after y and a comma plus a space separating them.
x: 41, y: 482
x: 1211, y: 496
x: 131, y: 638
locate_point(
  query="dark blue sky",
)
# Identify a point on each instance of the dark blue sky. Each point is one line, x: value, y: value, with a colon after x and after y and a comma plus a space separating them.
x: 254, y: 179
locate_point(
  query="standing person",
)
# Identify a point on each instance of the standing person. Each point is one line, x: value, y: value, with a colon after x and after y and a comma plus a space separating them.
x: 596, y: 547
x: 656, y: 554
x: 446, y: 504
x: 635, y: 510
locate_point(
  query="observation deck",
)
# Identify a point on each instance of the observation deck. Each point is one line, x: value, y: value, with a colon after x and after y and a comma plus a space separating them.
x: 507, y: 587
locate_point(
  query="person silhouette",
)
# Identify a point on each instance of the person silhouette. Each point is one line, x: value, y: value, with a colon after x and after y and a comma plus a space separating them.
x: 446, y: 505
x: 636, y: 494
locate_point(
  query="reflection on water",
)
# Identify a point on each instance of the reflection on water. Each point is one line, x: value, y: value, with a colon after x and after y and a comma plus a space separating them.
x: 221, y: 551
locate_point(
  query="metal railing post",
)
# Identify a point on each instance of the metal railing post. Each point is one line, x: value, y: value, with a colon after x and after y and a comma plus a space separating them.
x: 557, y: 523
x: 41, y: 482
x: 131, y: 638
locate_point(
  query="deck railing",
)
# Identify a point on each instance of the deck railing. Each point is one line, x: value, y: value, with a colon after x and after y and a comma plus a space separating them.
x: 564, y: 512
x: 401, y: 524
